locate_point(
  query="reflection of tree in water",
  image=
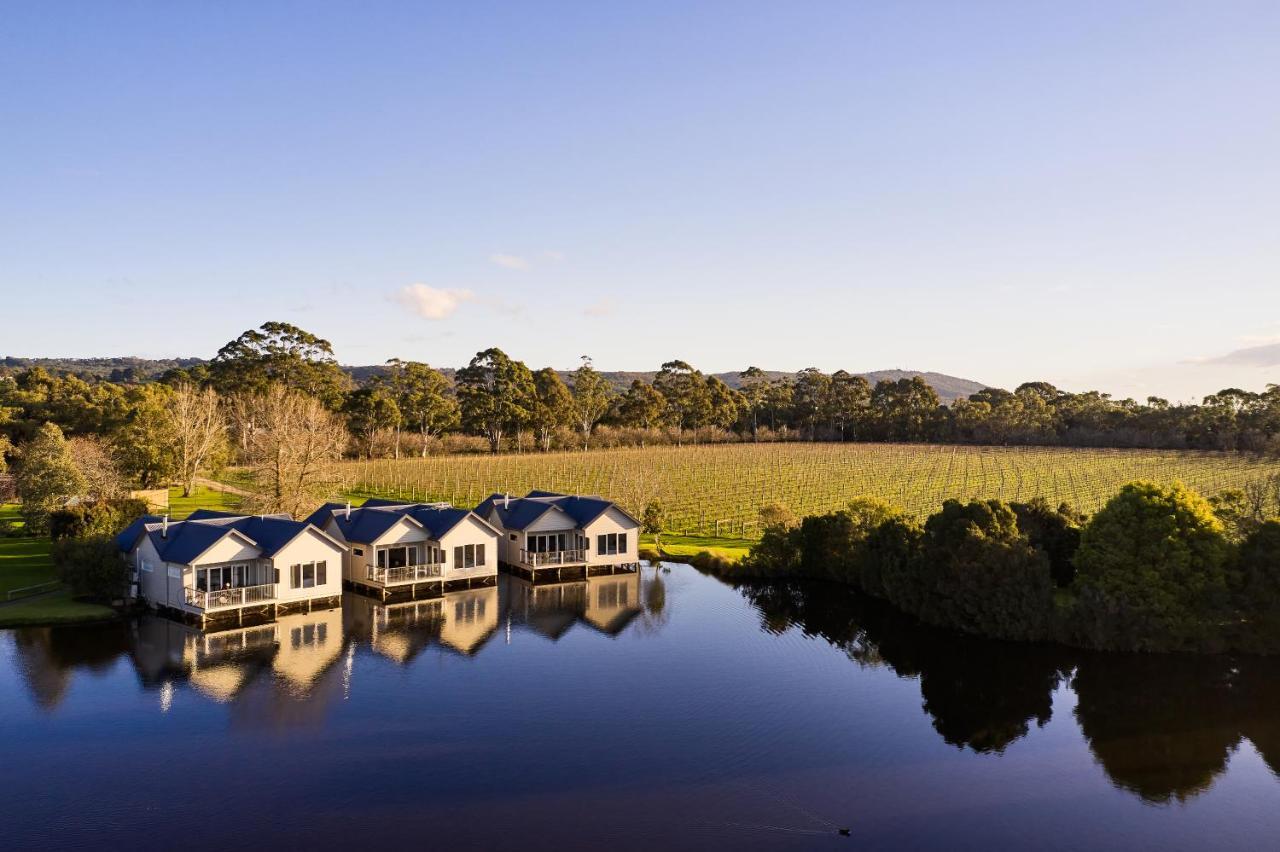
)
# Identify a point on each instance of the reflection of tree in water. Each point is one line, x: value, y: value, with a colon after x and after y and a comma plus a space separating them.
x: 47, y: 655
x: 1259, y: 700
x: 980, y: 694
x: 1162, y: 726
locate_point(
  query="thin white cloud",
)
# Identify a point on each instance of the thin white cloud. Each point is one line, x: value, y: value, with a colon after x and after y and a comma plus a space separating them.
x: 602, y: 308
x: 510, y: 261
x: 432, y: 303
x: 553, y: 256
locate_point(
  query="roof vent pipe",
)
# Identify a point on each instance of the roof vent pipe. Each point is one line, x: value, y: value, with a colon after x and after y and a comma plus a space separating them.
x: 506, y: 501
x: 164, y: 529
x: 348, y: 510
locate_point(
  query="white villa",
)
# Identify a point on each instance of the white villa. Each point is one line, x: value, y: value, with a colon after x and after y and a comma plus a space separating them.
x: 545, y: 534
x: 216, y: 564
x: 405, y: 548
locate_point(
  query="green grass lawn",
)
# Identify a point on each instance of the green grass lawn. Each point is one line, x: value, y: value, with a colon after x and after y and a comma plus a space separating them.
x: 23, y: 561
x: 201, y: 498
x: 678, y: 546
x: 58, y: 608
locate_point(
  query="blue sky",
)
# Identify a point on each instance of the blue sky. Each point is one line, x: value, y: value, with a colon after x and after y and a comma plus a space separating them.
x: 1085, y: 193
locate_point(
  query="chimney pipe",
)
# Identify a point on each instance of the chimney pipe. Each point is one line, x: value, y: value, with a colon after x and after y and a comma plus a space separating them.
x: 348, y: 510
x: 506, y: 501
x: 164, y: 530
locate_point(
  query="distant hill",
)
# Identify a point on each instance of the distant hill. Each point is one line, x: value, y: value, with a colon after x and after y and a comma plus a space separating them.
x: 948, y: 388
x: 126, y: 369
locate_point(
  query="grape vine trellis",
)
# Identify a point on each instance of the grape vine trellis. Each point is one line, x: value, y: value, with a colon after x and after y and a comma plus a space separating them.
x: 720, y: 489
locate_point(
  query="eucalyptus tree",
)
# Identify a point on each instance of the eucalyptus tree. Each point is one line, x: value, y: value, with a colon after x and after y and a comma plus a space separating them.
x: 685, y: 390
x: 494, y: 395
x: 812, y: 395
x: 424, y: 399
x: 848, y: 402
x: 553, y: 405
x: 723, y: 403
x: 370, y: 410
x: 592, y: 399
x: 643, y: 407
x: 278, y: 352
x: 755, y: 388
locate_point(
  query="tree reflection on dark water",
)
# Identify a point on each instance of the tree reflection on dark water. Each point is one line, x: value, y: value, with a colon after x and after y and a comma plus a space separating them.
x: 1162, y: 726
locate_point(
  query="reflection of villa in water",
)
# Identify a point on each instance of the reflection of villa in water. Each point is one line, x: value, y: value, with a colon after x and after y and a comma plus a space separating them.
x: 296, y: 649
x: 606, y: 603
x: 461, y: 622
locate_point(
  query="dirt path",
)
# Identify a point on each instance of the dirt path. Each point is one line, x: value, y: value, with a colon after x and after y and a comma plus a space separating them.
x: 214, y: 485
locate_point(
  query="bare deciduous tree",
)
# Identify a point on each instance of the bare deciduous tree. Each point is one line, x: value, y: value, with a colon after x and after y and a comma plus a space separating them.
x: 199, y: 431
x: 102, y: 477
x: 292, y: 448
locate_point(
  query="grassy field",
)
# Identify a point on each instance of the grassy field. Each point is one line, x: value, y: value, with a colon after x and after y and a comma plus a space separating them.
x: 718, y: 491
x: 24, y: 561
x: 685, y: 546
x: 57, y: 608
x: 201, y: 498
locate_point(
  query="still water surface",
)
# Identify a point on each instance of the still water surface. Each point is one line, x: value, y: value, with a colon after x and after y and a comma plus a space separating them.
x: 666, y: 710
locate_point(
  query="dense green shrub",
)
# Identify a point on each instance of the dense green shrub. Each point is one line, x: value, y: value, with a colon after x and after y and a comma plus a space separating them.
x: 1258, y: 590
x: 892, y: 565
x: 1054, y: 531
x: 1151, y: 573
x: 98, y: 518
x: 91, y: 567
x: 981, y: 574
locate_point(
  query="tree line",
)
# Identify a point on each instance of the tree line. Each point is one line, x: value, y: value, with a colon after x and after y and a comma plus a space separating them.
x: 1156, y: 569
x: 498, y: 403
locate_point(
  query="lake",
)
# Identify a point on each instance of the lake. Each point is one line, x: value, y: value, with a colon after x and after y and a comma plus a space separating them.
x: 666, y: 710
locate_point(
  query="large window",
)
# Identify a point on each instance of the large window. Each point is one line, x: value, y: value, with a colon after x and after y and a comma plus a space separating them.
x: 545, y: 542
x: 468, y: 556
x: 232, y: 576
x: 398, y: 557
x: 611, y: 544
x: 308, y: 575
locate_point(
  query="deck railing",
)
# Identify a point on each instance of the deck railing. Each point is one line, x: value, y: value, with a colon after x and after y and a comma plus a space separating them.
x: 227, y: 598
x: 406, y: 574
x: 552, y: 557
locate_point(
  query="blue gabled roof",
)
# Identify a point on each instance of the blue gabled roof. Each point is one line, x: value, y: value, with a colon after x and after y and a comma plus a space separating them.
x: 271, y: 533
x: 520, y: 512
x: 321, y: 516
x: 366, y: 525
x: 131, y: 534
x: 378, y: 502
x: 186, y: 539
x: 207, y: 514
x: 438, y: 522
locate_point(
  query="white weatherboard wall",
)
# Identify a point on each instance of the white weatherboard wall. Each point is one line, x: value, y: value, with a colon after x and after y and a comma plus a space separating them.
x: 231, y: 548
x: 612, y: 521
x: 471, y: 531
x: 310, y: 546
x: 154, y: 582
